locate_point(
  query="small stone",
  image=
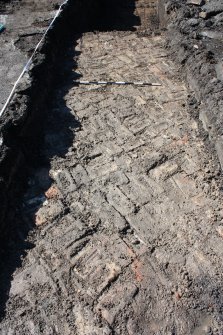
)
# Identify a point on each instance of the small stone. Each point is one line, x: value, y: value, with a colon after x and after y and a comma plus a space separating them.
x: 135, y: 241
x: 178, y: 295
x: 213, y: 80
x: 40, y: 220
x: 195, y: 2
x: 203, y: 15
x: 52, y: 192
x: 220, y: 230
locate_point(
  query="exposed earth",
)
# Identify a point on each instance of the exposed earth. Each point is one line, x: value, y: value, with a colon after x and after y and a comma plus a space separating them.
x: 25, y: 22
x: 119, y: 229
x: 195, y: 34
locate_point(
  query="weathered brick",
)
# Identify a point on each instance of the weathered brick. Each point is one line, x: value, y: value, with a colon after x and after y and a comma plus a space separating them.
x: 64, y: 180
x: 80, y: 175
x: 165, y: 170
x: 101, y: 262
x: 119, y: 201
x: 147, y: 225
x: 137, y: 190
x: 111, y: 303
x: 186, y: 184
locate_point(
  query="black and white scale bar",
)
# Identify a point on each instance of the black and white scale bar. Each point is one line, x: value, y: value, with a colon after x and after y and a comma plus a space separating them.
x: 115, y: 83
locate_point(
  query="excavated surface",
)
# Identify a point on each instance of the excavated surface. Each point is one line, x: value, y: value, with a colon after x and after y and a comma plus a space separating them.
x: 129, y: 236
x: 25, y: 22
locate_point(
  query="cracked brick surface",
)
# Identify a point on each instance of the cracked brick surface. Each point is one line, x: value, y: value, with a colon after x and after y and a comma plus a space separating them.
x: 129, y: 237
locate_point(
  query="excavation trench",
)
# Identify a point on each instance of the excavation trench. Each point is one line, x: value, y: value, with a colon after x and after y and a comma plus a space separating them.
x: 116, y: 227
x: 24, y: 154
x: 22, y: 123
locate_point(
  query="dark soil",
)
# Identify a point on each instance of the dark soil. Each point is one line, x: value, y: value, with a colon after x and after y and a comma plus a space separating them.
x: 195, y: 33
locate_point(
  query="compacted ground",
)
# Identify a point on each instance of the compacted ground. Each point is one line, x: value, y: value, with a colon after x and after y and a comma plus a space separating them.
x: 126, y: 200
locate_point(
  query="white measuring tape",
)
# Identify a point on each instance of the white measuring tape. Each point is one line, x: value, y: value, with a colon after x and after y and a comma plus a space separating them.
x: 84, y: 82
x: 26, y: 67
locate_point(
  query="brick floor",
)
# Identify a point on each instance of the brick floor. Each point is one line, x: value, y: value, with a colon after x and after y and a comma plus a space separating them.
x: 130, y: 238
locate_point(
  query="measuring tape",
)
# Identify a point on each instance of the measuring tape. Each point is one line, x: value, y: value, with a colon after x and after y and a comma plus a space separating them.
x: 139, y: 83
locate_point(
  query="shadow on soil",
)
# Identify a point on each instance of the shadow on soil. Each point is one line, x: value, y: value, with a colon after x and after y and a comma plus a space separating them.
x: 52, y: 137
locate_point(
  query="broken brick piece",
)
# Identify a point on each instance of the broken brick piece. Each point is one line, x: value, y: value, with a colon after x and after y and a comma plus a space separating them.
x: 52, y: 192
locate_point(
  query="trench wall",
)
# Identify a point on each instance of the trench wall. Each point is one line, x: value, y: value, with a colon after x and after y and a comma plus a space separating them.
x: 194, y: 38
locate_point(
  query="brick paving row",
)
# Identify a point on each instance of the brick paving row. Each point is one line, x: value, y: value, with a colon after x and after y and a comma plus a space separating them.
x: 129, y: 237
